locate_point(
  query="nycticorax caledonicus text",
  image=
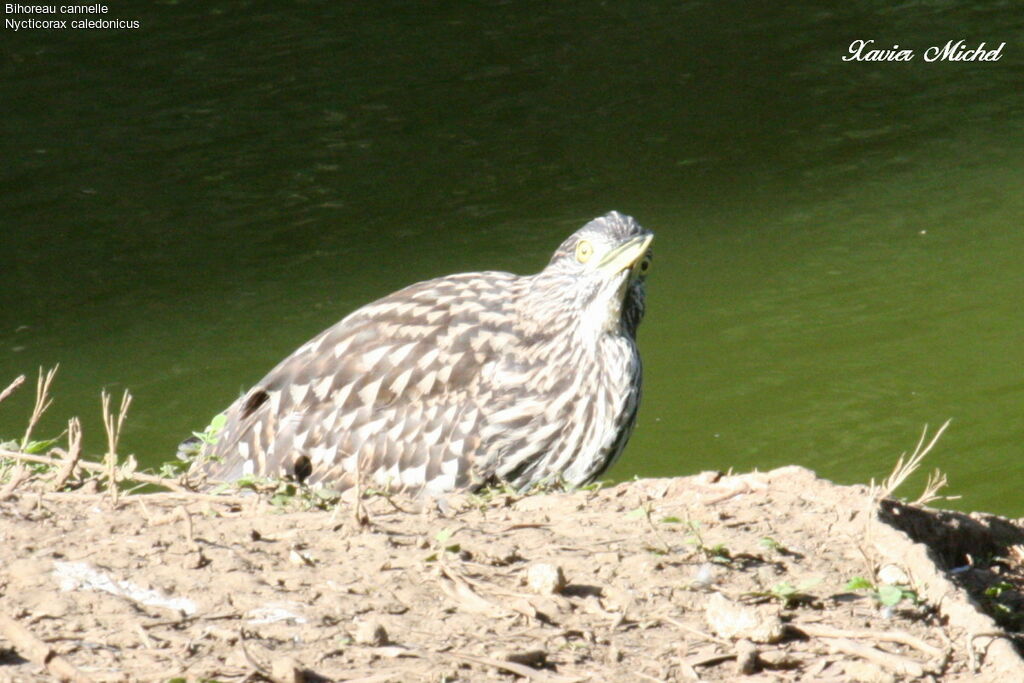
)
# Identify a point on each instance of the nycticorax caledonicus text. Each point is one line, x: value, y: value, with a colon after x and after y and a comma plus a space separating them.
x: 460, y: 381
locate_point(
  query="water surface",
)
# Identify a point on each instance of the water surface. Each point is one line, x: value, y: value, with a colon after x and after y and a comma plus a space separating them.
x: 838, y: 244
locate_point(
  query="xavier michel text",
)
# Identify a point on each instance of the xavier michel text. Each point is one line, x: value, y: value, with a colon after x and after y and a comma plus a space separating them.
x: 952, y: 51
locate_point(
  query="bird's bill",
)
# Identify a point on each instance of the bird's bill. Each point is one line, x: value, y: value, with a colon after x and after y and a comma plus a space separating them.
x: 625, y: 255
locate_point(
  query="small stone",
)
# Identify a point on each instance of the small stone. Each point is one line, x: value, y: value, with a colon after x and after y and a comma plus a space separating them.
x: 778, y: 659
x: 300, y: 559
x: 746, y: 657
x: 704, y: 576
x: 532, y: 658
x: 727, y: 619
x: 370, y: 633
x: 286, y: 670
x: 892, y: 575
x: 500, y: 554
x: 545, y: 579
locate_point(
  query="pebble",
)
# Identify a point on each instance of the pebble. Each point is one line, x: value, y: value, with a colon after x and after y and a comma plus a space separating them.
x: 746, y: 657
x: 531, y: 658
x: 545, y: 579
x: 892, y: 575
x: 286, y: 670
x: 727, y: 619
x: 371, y: 633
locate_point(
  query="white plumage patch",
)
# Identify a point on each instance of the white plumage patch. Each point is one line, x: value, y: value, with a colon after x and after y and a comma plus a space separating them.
x: 341, y: 347
x: 371, y: 358
x: 322, y: 388
x: 368, y: 394
x: 298, y: 392
x: 399, y: 354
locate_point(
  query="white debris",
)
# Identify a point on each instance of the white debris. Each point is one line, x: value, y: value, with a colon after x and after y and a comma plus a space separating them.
x: 276, y: 611
x: 81, y: 576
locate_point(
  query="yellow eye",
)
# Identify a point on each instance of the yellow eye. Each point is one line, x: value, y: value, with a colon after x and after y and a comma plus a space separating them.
x: 584, y: 250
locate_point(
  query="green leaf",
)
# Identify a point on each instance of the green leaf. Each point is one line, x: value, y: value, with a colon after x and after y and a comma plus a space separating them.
x: 858, y: 583
x: 327, y: 495
x: 997, y: 590
x: 671, y: 520
x: 636, y: 513
x: 37, y: 447
x: 890, y: 595
x: 443, y: 535
x: 783, y: 589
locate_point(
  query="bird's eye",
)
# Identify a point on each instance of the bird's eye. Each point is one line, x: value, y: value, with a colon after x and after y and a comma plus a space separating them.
x: 584, y: 250
x: 645, y: 265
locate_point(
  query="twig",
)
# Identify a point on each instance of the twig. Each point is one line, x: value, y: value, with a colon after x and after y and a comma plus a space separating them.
x: 935, y: 483
x: 18, y: 381
x: 113, y: 427
x: 700, y: 634
x: 100, y: 468
x: 70, y: 460
x: 43, y: 401
x: 903, y: 468
x: 35, y: 650
x: 822, y: 631
x: 903, y: 666
x: 511, y: 667
x: 359, y: 515
x: 646, y: 508
x: 257, y: 666
x: 972, y: 654
x: 19, y: 475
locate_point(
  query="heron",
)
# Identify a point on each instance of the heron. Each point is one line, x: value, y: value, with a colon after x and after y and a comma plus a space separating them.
x: 459, y: 382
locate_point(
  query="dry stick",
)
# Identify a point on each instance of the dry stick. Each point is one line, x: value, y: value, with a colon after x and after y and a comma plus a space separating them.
x: 822, y: 631
x: 43, y: 401
x: 71, y: 458
x: 113, y: 428
x: 905, y: 469
x: 700, y: 634
x: 35, y: 650
x: 101, y: 468
x: 897, y: 664
x: 972, y: 655
x: 511, y: 667
x: 359, y: 514
x: 18, y: 381
x: 19, y: 475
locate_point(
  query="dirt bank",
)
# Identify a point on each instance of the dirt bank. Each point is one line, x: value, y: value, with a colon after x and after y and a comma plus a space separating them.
x: 696, y: 578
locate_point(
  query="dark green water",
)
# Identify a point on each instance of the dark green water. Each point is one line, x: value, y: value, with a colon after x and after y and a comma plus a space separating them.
x: 839, y: 244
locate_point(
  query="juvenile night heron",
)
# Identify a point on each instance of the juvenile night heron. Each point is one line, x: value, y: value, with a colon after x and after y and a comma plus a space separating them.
x: 460, y: 381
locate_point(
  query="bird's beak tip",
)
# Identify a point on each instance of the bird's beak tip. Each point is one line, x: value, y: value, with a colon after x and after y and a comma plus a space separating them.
x: 627, y: 254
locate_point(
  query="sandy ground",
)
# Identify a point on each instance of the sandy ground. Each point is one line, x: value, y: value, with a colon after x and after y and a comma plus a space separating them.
x: 698, y: 578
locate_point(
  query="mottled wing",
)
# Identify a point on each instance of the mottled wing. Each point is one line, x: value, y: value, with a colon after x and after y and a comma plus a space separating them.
x: 394, y: 390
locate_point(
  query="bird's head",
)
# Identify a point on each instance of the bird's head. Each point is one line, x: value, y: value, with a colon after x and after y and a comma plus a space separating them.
x: 596, y: 276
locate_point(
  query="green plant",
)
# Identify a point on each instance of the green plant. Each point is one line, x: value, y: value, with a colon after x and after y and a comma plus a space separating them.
x: 212, y: 432
x: 886, y: 595
x: 717, y: 553
x: 441, y: 544
x: 787, y: 593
